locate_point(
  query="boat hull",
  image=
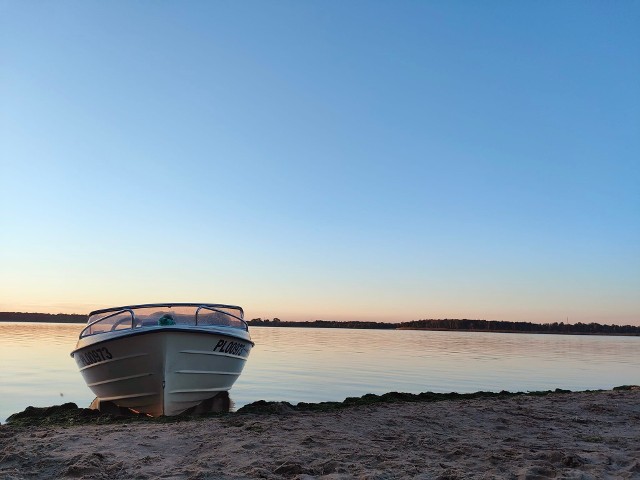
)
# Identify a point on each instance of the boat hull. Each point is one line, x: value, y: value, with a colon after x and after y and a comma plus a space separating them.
x: 164, y: 370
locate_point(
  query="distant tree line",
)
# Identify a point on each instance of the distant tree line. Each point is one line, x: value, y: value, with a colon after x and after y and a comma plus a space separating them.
x: 504, y: 326
x: 426, y: 324
x: 276, y: 322
x: 464, y: 325
x: 42, y: 317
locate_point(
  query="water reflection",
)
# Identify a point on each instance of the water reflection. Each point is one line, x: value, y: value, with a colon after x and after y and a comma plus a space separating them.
x: 331, y: 364
x: 297, y: 364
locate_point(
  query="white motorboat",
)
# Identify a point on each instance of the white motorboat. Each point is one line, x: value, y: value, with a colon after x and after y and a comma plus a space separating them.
x: 164, y: 358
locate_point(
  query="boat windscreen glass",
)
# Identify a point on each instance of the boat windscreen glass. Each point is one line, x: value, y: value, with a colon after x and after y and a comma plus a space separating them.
x: 148, y: 316
x: 218, y: 316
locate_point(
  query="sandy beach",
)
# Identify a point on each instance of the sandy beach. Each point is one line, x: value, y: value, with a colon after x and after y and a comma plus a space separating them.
x: 587, y: 435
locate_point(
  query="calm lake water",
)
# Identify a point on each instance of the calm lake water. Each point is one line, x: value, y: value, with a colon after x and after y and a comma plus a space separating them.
x: 305, y: 364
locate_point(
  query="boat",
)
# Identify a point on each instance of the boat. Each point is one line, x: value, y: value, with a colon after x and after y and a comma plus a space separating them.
x: 162, y: 358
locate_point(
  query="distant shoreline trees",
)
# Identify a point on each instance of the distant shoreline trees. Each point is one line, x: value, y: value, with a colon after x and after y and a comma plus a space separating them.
x: 446, y: 324
x: 522, y: 327
x: 465, y: 325
x: 42, y: 317
x: 276, y: 322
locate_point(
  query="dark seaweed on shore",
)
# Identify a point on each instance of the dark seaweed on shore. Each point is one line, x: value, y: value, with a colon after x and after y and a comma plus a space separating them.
x: 70, y: 414
x: 66, y: 414
x: 263, y: 407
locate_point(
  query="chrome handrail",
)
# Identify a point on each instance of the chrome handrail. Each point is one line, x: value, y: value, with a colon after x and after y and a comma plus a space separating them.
x: 178, y: 304
x: 120, y: 310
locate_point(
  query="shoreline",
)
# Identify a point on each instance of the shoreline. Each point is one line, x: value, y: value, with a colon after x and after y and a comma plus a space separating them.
x: 470, y: 330
x: 592, y: 434
x: 520, y: 332
x: 69, y: 414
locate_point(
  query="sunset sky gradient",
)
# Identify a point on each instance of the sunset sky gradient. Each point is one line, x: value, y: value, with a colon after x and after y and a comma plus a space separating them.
x: 359, y: 160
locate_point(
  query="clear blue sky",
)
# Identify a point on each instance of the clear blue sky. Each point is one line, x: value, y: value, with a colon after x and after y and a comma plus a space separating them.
x: 337, y: 160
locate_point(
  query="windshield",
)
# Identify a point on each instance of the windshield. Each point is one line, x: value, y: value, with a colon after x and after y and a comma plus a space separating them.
x: 164, y: 315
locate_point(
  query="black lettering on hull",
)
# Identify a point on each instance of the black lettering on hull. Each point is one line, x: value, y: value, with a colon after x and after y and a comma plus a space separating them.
x: 95, y: 356
x: 232, y: 348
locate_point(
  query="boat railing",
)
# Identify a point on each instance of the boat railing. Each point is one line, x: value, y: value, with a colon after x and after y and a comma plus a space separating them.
x: 162, y: 315
x: 94, y: 327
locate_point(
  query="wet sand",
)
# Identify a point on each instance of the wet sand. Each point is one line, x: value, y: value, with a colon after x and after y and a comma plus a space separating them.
x: 588, y: 435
